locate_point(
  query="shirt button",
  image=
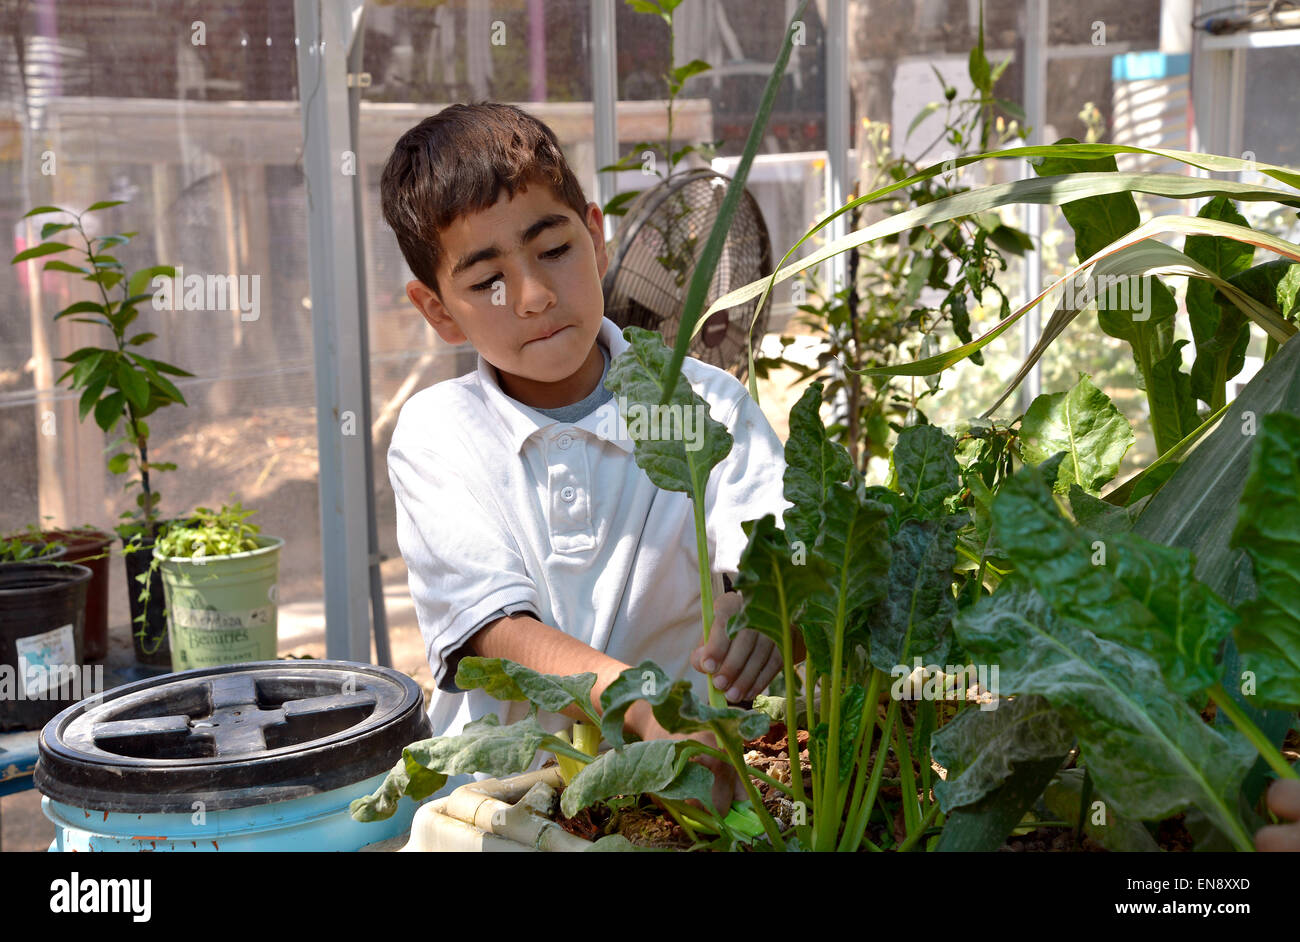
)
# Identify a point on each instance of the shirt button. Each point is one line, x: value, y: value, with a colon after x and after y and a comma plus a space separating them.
x: 564, y: 441
x: 568, y: 493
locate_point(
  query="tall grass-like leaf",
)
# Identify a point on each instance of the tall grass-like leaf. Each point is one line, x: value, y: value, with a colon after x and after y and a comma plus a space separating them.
x: 702, y: 277
x: 1268, y: 529
x: 1083, y: 423
x: 1150, y: 754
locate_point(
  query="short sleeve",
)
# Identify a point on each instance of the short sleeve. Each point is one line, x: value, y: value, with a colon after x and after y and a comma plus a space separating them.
x: 747, y: 484
x: 463, y: 563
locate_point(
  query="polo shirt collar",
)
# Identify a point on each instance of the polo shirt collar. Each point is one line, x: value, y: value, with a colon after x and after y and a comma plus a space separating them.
x: 520, y: 422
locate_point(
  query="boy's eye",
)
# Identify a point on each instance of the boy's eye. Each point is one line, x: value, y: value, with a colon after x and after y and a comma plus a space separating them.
x: 484, y: 285
x: 557, y: 251
x: 553, y: 253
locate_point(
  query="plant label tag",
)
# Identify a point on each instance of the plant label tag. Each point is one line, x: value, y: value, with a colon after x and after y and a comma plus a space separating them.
x: 43, y: 659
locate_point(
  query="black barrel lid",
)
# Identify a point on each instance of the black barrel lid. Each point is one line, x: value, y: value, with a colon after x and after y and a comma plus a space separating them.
x: 230, y: 737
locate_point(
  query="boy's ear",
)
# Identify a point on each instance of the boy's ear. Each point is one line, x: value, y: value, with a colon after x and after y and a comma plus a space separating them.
x: 595, y: 222
x: 428, y: 304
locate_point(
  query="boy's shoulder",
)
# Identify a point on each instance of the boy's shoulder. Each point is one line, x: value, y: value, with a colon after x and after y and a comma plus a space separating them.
x: 436, y: 412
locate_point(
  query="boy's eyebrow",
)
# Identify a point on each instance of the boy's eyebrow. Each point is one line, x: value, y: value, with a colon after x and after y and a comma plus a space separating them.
x: 550, y: 220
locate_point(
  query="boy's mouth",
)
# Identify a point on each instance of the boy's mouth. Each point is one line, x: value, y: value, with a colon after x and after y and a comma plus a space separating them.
x: 546, y: 336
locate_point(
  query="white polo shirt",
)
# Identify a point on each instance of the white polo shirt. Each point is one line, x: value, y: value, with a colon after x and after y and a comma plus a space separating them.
x: 502, y: 508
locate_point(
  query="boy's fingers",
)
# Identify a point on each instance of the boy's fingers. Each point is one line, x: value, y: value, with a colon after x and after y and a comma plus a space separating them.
x: 1278, y: 838
x: 770, y: 669
x: 753, y: 668
x: 707, y: 657
x: 1284, y: 799
x: 738, y: 655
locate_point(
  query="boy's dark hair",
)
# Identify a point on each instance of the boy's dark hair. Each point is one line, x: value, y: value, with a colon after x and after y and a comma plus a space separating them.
x: 456, y: 162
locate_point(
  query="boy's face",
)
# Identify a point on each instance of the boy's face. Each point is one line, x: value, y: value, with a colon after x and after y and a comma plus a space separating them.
x: 521, y: 269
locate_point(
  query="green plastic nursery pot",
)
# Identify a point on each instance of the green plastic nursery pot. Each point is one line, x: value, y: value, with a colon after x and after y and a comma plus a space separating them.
x: 222, y: 609
x: 42, y: 616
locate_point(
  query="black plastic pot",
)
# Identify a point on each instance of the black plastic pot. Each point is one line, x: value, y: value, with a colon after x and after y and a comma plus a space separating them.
x: 150, y: 642
x: 42, y: 624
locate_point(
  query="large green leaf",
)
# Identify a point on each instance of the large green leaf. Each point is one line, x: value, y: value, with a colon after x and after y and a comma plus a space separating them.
x: 506, y: 680
x: 915, y: 617
x: 984, y: 825
x: 1268, y: 529
x: 812, y: 464
x: 1083, y: 423
x: 1150, y: 754
x: 925, y: 470
x: 773, y: 581
x: 483, y: 746
x: 674, y: 704
x: 405, y: 778
x: 854, y: 543
x: 1063, y: 798
x: 671, y: 461
x: 659, y: 766
x: 1218, y: 330
x: 1122, y: 588
x: 980, y: 748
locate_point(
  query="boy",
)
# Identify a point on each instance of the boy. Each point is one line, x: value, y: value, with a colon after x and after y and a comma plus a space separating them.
x: 528, y: 529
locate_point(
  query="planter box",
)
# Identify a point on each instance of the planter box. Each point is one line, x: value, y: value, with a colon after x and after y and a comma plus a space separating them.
x: 508, y: 815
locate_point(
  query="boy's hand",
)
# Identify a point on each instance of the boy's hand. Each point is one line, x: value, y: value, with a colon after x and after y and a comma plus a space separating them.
x: 742, y: 666
x: 727, y: 786
x: 1283, y: 801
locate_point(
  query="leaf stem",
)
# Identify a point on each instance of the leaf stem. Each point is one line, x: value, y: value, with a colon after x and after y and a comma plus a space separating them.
x: 1223, y: 700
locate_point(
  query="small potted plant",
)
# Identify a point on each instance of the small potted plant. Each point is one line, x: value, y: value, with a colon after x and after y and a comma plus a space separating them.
x: 119, y: 384
x: 220, y: 578
x: 42, y: 615
x: 91, y: 547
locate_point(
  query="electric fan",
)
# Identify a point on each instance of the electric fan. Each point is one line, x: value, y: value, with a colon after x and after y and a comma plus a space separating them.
x: 654, y: 253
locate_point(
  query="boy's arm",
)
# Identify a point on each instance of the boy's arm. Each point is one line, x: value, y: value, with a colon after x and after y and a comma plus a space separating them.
x: 525, y: 640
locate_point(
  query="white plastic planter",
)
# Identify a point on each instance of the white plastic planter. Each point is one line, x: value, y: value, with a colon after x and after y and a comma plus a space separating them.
x: 496, y: 816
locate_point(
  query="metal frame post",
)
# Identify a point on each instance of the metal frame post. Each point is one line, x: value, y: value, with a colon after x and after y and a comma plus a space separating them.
x: 325, y: 37
x: 604, y: 96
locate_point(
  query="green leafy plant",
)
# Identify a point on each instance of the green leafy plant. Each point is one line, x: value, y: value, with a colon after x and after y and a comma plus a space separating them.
x: 27, y: 546
x: 203, y: 535
x: 878, y: 314
x: 116, y: 382
x: 674, y: 79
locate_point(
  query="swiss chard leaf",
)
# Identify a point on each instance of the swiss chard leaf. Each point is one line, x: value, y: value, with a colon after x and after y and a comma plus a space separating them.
x: 661, y: 766
x: 979, y: 748
x: 1123, y: 588
x: 1216, y: 328
x: 813, y: 463
x: 1268, y: 529
x: 773, y: 580
x: 854, y: 543
x: 506, y: 680
x: 925, y: 470
x: 668, y: 460
x: 674, y: 704
x: 1083, y: 423
x: 1063, y: 798
x: 915, y: 617
x: 1150, y: 754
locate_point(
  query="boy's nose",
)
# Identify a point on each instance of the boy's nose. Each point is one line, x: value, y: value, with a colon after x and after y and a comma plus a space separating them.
x: 535, y: 296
